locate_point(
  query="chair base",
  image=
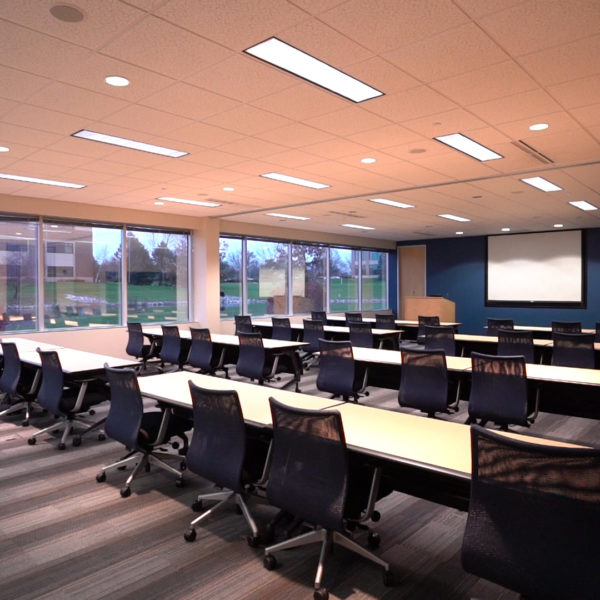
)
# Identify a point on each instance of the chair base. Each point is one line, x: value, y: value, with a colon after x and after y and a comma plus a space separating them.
x: 17, y: 407
x: 67, y: 425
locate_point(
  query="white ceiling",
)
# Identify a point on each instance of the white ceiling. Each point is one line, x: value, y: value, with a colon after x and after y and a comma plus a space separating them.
x: 485, y: 68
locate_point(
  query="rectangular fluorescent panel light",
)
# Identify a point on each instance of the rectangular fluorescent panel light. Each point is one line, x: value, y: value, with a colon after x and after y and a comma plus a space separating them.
x: 308, y: 67
x: 461, y: 142
x: 125, y: 143
x: 284, y: 216
x: 541, y: 184
x: 351, y: 225
x: 295, y: 180
x: 455, y: 218
x: 185, y: 201
x: 583, y: 205
x: 76, y: 186
x: 391, y: 203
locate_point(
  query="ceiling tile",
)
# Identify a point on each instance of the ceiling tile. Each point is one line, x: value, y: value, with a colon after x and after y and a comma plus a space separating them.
x: 247, y: 120
x: 347, y: 121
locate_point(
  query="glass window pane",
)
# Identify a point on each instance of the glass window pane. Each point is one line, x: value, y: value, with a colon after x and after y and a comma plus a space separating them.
x: 82, y: 279
x: 230, y: 253
x: 309, y: 266
x: 374, y: 280
x: 157, y: 276
x: 18, y: 275
x: 267, y: 269
x: 343, y: 279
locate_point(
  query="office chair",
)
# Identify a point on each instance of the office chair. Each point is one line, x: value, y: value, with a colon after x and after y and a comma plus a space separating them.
x: 243, y: 324
x: 499, y: 390
x: 597, y: 336
x: 67, y: 403
x: 170, y: 351
x: 425, y: 321
x: 512, y: 342
x: 319, y: 315
x: 494, y: 324
x: 353, y: 317
x: 440, y: 337
x: 573, y: 350
x: 424, y: 381
x: 140, y: 431
x: 312, y: 333
x: 136, y: 346
x: 221, y: 452
x: 309, y: 477
x: 534, y: 517
x: 253, y: 361
x: 339, y: 374
x: 282, y: 329
x: 387, y: 321
x: 361, y: 334
x: 566, y: 327
x: 203, y: 355
x: 18, y: 392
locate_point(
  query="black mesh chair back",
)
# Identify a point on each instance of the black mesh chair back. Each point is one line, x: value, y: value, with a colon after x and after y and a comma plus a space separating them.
x: 338, y: 373
x: 361, y: 334
x: 512, y: 342
x: 135, y: 342
x: 313, y: 332
x: 353, y: 317
x: 440, y: 338
x: 218, y: 444
x: 574, y: 350
x: 201, y: 349
x: 282, y: 329
x: 170, y: 351
x: 534, y: 517
x: 50, y: 393
x: 385, y: 321
x: 597, y: 338
x: 566, y: 327
x: 424, y: 381
x: 494, y: 324
x: 309, y: 465
x: 252, y: 356
x: 425, y: 321
x: 243, y: 324
x: 498, y: 389
x: 319, y: 315
x: 126, y: 407
x: 11, y: 372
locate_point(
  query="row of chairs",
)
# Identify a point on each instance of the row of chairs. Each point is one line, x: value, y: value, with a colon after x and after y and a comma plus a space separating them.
x: 557, y: 326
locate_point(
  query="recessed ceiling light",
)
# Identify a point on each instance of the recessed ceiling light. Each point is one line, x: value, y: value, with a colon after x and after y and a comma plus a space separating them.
x: 505, y: 229
x: 42, y: 181
x: 308, y: 67
x: 558, y: 225
x: 4, y: 149
x: 66, y: 13
x: 538, y: 126
x: 54, y: 226
x: 541, y: 184
x: 125, y: 143
x: 417, y: 151
x: 285, y: 216
x: 117, y: 81
x: 295, y: 180
x: 461, y: 142
x: 159, y: 203
x: 186, y: 201
x: 583, y: 205
x: 18, y: 233
x: 454, y: 218
x: 459, y: 232
x: 391, y: 203
x: 368, y: 161
x: 353, y: 226
x: 229, y: 189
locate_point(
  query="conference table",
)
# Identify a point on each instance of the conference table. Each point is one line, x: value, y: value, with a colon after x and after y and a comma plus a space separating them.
x: 542, y: 331
x: 27, y: 345
x: 428, y: 458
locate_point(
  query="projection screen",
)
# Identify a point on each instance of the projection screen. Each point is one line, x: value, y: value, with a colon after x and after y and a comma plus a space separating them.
x: 535, y: 268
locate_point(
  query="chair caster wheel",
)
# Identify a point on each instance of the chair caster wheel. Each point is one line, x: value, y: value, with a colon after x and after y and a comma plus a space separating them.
x: 101, y: 437
x: 321, y: 594
x: 375, y: 516
x: 179, y: 483
x: 253, y: 541
x: 175, y: 445
x: 270, y: 562
x: 61, y: 446
x: 25, y: 423
x: 197, y: 506
x: 91, y: 412
x: 125, y: 492
x: 31, y: 441
x: 76, y: 440
x: 388, y: 579
x: 100, y: 477
x: 190, y: 535
x: 373, y: 540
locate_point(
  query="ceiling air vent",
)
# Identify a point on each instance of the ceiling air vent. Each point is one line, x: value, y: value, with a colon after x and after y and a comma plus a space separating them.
x: 532, y: 152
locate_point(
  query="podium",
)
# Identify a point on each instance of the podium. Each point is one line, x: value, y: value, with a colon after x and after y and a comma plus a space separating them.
x: 413, y: 306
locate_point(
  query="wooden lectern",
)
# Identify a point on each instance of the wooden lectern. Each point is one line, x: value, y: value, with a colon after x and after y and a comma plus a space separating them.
x: 413, y: 306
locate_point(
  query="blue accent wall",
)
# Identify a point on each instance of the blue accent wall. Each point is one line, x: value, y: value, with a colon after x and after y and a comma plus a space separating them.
x: 456, y: 270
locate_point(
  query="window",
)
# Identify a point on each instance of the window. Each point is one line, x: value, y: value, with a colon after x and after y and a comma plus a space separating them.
x: 157, y: 276
x: 59, y: 248
x: 230, y: 253
x: 18, y: 275
x: 309, y: 277
x: 343, y: 279
x: 374, y: 280
x: 267, y: 280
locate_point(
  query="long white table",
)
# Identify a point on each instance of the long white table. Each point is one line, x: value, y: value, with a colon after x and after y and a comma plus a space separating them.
x: 28, y: 345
